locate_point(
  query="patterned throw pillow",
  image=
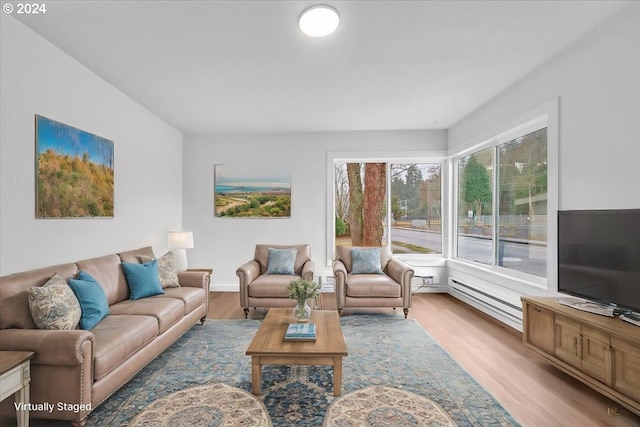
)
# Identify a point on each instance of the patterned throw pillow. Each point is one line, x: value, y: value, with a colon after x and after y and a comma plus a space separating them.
x: 281, y: 261
x: 54, y: 305
x: 166, y: 269
x: 366, y: 261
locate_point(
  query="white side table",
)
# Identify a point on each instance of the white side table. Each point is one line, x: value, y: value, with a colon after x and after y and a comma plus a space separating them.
x: 14, y: 379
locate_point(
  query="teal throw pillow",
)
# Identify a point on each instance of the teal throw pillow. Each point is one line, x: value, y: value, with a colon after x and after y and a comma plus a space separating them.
x: 143, y: 279
x: 92, y: 299
x: 281, y: 261
x: 366, y: 261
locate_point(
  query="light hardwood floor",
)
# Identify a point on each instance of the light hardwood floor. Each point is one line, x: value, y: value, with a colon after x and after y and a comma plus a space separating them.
x: 531, y: 389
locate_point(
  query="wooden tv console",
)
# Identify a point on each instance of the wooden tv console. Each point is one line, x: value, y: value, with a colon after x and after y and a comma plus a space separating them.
x: 602, y: 352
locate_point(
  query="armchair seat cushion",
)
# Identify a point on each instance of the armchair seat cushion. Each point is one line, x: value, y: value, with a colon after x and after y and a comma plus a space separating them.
x: 271, y: 286
x: 372, y: 286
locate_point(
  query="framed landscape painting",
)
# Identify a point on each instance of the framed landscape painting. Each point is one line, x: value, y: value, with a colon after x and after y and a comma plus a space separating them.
x: 74, y: 172
x: 258, y: 191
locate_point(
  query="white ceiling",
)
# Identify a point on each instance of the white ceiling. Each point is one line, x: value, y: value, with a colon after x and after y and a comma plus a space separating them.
x: 244, y: 66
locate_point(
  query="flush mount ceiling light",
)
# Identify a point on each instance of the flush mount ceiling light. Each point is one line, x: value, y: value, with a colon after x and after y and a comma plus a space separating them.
x: 319, y: 20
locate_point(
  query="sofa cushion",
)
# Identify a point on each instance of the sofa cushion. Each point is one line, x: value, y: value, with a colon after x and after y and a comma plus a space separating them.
x: 117, y: 338
x: 281, y: 261
x: 166, y: 269
x: 271, y: 286
x: 54, y: 305
x: 135, y: 254
x: 143, y: 279
x: 106, y: 270
x: 372, y: 285
x: 166, y: 311
x: 92, y: 299
x: 365, y: 261
x: 14, y: 293
x: 192, y: 298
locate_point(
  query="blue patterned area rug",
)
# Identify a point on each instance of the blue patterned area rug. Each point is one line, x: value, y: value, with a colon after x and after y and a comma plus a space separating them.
x: 383, y: 350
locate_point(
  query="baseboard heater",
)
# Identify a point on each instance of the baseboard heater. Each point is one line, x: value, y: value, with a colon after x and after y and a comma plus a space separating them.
x: 493, y: 305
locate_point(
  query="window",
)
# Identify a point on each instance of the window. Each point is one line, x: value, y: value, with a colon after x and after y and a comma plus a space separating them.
x: 510, y: 178
x: 416, y: 208
x: 475, y: 207
x: 383, y: 203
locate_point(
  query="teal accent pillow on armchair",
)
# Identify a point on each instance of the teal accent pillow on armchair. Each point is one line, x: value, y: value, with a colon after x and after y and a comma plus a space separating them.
x: 92, y: 299
x: 143, y: 279
x: 281, y: 261
x: 366, y: 261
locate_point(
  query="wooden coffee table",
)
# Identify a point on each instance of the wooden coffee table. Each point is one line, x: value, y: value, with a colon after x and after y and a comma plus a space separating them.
x: 269, y: 347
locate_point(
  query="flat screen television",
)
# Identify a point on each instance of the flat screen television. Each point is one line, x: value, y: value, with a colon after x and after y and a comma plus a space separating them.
x: 599, y: 256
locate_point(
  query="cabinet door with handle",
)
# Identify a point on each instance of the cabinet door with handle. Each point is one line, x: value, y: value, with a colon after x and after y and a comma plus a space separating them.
x: 596, y: 354
x: 538, y: 328
x: 567, y: 341
x: 627, y: 367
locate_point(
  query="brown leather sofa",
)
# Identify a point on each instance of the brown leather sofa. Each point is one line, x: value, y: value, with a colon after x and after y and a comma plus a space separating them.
x: 390, y: 289
x: 84, y: 367
x: 258, y: 289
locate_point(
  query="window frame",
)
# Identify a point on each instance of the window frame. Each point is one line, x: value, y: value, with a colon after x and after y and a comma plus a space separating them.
x: 546, y: 115
x: 389, y: 158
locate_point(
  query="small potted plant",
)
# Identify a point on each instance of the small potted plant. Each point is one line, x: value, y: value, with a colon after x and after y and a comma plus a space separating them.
x: 301, y: 291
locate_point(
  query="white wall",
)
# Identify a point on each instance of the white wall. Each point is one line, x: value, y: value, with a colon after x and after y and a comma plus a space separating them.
x: 598, y: 83
x: 598, y: 86
x: 225, y: 243
x: 38, y: 78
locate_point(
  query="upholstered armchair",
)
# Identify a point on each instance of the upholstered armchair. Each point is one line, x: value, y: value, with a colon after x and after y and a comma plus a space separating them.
x: 370, y: 277
x: 264, y: 279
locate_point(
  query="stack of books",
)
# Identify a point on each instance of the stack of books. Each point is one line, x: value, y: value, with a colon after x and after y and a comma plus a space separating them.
x: 301, y: 332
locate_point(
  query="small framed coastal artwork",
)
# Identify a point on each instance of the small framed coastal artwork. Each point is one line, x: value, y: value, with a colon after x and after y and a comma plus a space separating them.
x: 74, y: 172
x: 251, y: 191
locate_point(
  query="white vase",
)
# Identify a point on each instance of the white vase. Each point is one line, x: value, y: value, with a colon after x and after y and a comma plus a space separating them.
x: 302, y: 313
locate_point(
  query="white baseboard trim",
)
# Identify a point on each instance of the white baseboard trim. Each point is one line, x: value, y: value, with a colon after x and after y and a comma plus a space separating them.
x: 326, y: 288
x: 415, y: 289
x: 224, y: 288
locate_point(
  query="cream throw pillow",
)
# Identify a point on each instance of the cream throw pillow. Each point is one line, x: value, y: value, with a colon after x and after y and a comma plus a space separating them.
x: 54, y: 305
x: 166, y: 270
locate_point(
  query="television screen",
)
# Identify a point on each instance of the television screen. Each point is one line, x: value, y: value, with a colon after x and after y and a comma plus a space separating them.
x: 599, y: 256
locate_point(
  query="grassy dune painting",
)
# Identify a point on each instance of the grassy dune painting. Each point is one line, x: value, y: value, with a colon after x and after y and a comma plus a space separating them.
x: 251, y: 192
x: 74, y: 172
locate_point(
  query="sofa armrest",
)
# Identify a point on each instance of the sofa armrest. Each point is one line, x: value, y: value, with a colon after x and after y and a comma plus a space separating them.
x: 307, y: 270
x: 247, y: 273
x: 340, y: 274
x: 195, y: 279
x: 402, y: 273
x: 61, y: 348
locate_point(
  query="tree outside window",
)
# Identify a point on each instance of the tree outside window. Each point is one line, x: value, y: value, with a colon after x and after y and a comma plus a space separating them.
x: 412, y: 219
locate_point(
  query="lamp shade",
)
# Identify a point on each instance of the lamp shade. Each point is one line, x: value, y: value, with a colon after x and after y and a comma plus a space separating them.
x: 180, y: 240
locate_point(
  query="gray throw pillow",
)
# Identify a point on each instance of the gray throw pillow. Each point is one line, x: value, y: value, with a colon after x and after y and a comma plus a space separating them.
x: 282, y: 261
x: 366, y: 261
